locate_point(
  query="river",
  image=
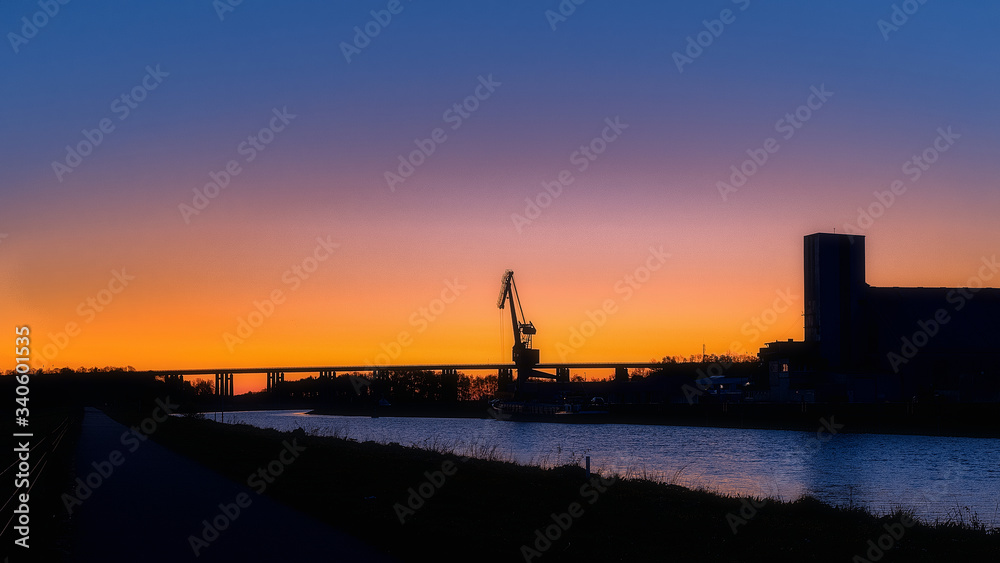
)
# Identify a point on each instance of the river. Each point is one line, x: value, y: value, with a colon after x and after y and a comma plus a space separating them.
x: 939, y: 478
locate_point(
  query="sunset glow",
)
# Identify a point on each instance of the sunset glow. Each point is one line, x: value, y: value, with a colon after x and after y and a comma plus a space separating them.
x: 126, y: 259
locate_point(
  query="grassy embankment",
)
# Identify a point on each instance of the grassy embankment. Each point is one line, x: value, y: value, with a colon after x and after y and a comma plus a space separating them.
x: 489, y: 508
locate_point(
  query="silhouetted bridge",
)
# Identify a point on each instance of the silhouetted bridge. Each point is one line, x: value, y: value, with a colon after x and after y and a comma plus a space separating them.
x: 275, y: 375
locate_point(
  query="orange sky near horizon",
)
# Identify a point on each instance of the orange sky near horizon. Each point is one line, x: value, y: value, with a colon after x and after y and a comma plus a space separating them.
x: 354, y: 309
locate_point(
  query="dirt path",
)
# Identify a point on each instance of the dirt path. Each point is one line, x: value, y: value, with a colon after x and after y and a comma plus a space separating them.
x: 149, y: 502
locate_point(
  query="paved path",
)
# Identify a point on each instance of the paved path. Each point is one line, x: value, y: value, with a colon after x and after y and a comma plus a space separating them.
x: 155, y: 499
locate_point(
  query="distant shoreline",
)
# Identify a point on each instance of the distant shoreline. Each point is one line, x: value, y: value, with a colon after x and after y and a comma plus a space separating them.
x: 967, y: 421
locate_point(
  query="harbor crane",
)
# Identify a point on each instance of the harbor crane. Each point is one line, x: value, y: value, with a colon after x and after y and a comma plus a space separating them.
x: 525, y: 357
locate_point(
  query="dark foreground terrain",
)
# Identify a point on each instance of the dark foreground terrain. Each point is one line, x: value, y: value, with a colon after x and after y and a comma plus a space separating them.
x: 417, y: 505
x: 413, y: 505
x: 408, y: 503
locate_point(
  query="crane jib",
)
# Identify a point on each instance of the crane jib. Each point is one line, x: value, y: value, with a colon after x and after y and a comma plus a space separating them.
x: 524, y: 356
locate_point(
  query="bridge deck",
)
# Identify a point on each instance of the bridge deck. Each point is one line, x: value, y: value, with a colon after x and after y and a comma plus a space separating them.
x: 419, y: 367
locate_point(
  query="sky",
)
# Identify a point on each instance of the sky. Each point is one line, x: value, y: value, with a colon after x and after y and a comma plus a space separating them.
x: 196, y: 185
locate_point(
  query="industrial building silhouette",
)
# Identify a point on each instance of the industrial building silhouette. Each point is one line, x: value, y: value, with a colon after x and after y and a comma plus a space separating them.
x: 873, y: 344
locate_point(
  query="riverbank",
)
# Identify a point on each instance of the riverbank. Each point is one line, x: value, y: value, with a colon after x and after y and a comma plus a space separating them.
x: 416, y: 504
x: 976, y: 420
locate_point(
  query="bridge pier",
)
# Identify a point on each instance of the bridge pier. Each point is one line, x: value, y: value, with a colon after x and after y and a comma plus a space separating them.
x: 327, y: 374
x: 562, y: 375
x: 621, y: 373
x: 274, y: 378
x: 505, y: 379
x: 224, y: 384
x: 449, y: 384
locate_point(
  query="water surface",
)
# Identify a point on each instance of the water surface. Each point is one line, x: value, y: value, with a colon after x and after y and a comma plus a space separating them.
x: 939, y: 478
